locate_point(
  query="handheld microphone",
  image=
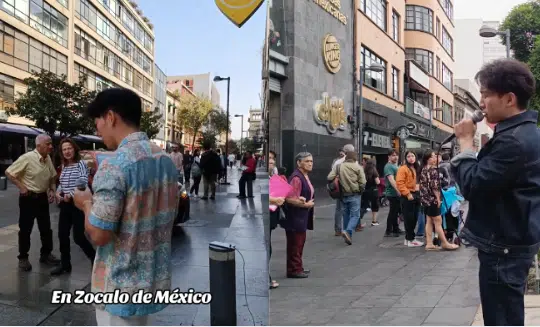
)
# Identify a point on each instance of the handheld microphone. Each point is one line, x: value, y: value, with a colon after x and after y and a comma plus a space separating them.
x: 81, y: 184
x: 477, y: 117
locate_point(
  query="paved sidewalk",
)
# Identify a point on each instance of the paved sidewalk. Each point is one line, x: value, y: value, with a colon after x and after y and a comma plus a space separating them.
x: 25, y: 297
x: 376, y: 281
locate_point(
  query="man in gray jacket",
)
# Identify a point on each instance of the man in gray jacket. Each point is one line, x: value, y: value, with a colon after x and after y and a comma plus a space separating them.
x: 338, y: 214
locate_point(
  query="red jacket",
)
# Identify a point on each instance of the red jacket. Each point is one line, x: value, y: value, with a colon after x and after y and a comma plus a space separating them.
x: 251, y: 166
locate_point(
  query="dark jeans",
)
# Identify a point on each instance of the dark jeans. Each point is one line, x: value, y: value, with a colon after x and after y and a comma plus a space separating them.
x: 195, y: 186
x: 502, y: 288
x: 246, y: 179
x: 34, y: 206
x: 187, y: 175
x: 210, y: 184
x: 295, y: 250
x: 269, y: 255
x: 69, y: 217
x: 410, y: 215
x: 392, y: 225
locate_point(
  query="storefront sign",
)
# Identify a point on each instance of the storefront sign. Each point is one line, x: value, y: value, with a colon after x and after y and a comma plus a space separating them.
x: 377, y: 140
x: 333, y: 7
x: 330, y: 112
x: 403, y: 132
x: 238, y: 11
x: 421, y: 110
x: 331, y: 53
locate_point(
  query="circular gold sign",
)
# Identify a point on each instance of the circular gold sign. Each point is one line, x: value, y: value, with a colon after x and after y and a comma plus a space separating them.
x: 331, y: 53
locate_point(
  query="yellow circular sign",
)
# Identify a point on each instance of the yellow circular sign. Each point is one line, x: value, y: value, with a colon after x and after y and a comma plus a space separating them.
x: 238, y: 11
x: 331, y: 53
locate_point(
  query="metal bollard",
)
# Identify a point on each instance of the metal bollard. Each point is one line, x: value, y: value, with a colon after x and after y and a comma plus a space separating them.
x: 222, y: 284
x: 3, y: 183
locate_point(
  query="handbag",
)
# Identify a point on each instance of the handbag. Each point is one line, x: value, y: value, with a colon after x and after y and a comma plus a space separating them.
x: 334, y: 186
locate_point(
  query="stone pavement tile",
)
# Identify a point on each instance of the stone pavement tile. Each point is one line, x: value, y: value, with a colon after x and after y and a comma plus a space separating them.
x: 247, y: 243
x: 334, y: 302
x: 16, y: 316
x: 73, y: 315
x: 357, y: 316
x: 451, y: 316
x: 532, y: 316
x: 349, y: 291
x: 371, y: 301
x: 422, y: 296
x: 437, y: 280
x: 404, y: 316
x: 256, y: 281
x: 391, y: 287
x: 17, y: 286
x: 460, y: 296
x: 532, y: 301
x: 258, y: 307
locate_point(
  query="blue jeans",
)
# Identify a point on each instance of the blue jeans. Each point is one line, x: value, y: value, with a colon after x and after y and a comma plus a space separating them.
x: 351, y: 212
x: 502, y: 288
x: 421, y: 225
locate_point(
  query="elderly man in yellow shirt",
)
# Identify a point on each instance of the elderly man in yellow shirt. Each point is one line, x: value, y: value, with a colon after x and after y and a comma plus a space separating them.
x: 34, y: 174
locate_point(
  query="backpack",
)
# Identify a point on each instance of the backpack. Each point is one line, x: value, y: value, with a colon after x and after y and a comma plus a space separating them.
x: 195, y: 169
x: 334, y: 186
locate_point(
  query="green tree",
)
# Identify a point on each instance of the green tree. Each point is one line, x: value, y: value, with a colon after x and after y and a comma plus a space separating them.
x: 208, y: 139
x: 192, y: 113
x: 151, y: 123
x: 219, y: 122
x: 248, y: 145
x: 523, y: 21
x: 233, y: 146
x: 55, y: 105
x: 534, y: 64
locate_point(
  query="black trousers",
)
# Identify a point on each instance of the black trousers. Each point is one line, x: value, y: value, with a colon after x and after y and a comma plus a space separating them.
x: 195, y: 186
x: 34, y: 206
x: 392, y: 225
x: 410, y: 215
x: 246, y: 179
x: 71, y: 216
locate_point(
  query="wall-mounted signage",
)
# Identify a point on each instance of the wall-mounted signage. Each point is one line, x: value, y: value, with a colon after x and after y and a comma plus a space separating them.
x: 376, y: 140
x: 421, y: 110
x: 331, y: 53
x: 333, y: 7
x: 331, y: 113
x: 417, y: 74
x: 403, y: 132
x: 238, y: 11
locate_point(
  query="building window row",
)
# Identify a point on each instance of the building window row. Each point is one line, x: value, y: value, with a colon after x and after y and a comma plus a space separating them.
x: 446, y: 113
x: 423, y: 57
x: 64, y: 3
x: 395, y: 83
x: 23, y: 52
x: 40, y: 16
x: 447, y: 42
x: 92, y: 81
x: 7, y: 92
x: 375, y: 10
x: 395, y: 26
x: 448, y: 8
x: 115, y: 8
x: 419, y: 19
x: 93, y: 51
x: 459, y: 114
x: 376, y: 80
x: 447, y: 77
x: 87, y: 13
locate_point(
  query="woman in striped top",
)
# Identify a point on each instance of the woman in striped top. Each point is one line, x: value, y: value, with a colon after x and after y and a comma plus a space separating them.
x: 73, y: 170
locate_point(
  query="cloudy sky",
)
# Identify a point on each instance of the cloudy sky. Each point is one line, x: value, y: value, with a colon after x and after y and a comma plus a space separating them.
x: 484, y: 9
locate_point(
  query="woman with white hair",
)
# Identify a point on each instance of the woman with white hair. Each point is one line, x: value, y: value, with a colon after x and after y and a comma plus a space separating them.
x: 299, y: 215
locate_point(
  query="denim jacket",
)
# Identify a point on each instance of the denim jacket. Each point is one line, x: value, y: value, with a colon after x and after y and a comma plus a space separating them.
x: 502, y: 186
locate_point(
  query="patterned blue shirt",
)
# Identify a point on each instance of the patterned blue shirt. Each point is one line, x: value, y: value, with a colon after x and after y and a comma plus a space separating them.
x: 136, y: 198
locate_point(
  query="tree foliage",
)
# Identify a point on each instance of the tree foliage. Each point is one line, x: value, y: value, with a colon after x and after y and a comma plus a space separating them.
x: 248, y: 145
x: 219, y: 122
x: 523, y: 21
x: 151, y: 123
x: 55, y: 105
x: 208, y: 139
x: 192, y: 113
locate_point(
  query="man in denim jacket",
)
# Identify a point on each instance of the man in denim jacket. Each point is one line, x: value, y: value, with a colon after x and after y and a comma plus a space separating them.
x: 502, y: 186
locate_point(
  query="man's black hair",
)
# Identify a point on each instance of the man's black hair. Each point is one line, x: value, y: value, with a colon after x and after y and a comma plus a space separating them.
x: 391, y: 152
x: 504, y: 76
x: 126, y: 103
x: 445, y: 156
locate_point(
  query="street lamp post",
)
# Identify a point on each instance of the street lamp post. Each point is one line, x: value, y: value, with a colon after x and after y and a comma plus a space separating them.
x: 228, y: 79
x: 241, y: 129
x: 486, y: 31
x: 374, y: 67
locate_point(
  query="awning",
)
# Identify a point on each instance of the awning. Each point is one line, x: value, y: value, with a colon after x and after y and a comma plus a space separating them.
x: 19, y: 129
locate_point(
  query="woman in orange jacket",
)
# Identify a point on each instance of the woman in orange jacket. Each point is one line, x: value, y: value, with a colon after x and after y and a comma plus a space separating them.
x: 407, y: 185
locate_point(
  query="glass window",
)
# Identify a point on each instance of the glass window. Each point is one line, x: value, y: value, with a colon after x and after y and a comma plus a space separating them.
x: 448, y: 8
x: 423, y: 57
x: 447, y: 42
x: 48, y: 21
x: 419, y: 18
x: 63, y: 3
x: 438, y: 69
x: 395, y: 26
x: 446, y: 113
x: 447, y: 77
x: 438, y: 28
x: 459, y: 114
x: 375, y: 10
x: 376, y: 80
x: 395, y: 83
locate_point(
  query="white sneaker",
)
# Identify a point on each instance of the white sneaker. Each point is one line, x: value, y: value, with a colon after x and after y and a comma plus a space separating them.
x: 414, y: 244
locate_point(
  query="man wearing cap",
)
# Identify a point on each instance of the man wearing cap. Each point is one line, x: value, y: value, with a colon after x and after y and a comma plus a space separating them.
x: 338, y: 215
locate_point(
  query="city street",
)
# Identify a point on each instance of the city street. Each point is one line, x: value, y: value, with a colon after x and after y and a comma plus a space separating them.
x: 25, y: 297
x: 376, y: 281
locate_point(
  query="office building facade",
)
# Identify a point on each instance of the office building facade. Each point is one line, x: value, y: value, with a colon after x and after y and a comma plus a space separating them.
x: 160, y: 102
x: 255, y: 121
x: 109, y: 42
